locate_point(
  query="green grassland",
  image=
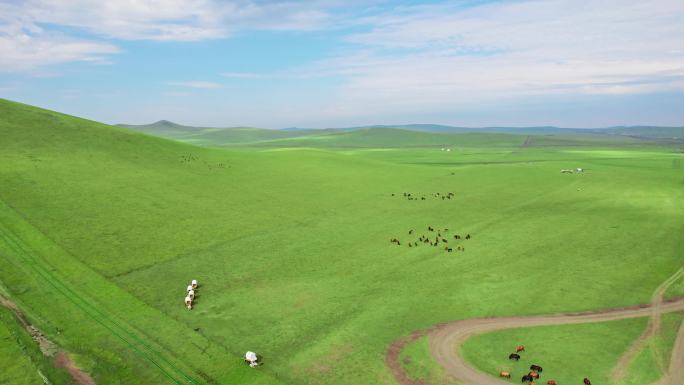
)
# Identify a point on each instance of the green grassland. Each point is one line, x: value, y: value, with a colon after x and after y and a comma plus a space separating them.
x: 18, y: 368
x: 568, y: 353
x: 102, y: 228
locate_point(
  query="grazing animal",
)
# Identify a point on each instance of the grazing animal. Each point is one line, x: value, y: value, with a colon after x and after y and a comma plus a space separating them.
x: 410, y: 231
x: 527, y: 378
x: 410, y: 245
x: 457, y: 236
x: 586, y: 381
x: 444, y: 240
x: 551, y: 382
x: 533, y: 374
x: 430, y: 228
x: 520, y: 348
x: 468, y: 236
x: 514, y: 356
x: 415, y: 243
x: 536, y: 368
x: 449, y: 250
x: 505, y: 374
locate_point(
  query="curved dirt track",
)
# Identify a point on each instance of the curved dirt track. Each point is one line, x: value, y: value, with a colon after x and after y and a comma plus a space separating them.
x: 444, y: 340
x: 619, y: 372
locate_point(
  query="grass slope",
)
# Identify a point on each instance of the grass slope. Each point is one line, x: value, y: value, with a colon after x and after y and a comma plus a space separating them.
x: 215, y: 136
x: 292, y: 244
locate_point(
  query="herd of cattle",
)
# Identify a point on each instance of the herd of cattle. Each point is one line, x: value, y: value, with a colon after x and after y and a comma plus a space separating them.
x: 444, y: 196
x: 535, y: 370
x: 436, y: 239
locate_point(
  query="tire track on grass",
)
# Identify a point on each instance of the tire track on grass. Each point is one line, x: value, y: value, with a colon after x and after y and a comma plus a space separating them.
x: 621, y: 368
x: 444, y: 339
x: 167, y: 368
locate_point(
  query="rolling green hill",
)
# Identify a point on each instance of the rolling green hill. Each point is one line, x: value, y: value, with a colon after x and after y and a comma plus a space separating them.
x: 101, y: 228
x: 414, y: 135
x: 214, y: 135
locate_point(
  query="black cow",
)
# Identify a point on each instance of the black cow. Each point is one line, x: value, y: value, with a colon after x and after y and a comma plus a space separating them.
x: 514, y: 356
x: 527, y: 378
x: 536, y: 368
x: 468, y: 236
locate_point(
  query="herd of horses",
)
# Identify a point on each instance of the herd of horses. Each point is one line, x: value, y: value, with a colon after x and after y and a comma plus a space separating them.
x: 444, y: 196
x: 535, y: 370
x: 438, y: 240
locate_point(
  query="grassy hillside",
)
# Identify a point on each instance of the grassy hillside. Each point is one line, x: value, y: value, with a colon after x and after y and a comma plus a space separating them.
x: 214, y: 136
x: 415, y: 135
x: 102, y: 228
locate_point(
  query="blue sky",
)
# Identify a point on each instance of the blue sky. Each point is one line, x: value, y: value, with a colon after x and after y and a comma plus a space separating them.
x: 343, y: 63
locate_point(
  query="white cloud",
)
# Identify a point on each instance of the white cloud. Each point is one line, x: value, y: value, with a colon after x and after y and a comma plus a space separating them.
x: 196, y: 84
x: 177, y: 20
x: 23, y: 47
x: 446, y: 57
x: 30, y: 30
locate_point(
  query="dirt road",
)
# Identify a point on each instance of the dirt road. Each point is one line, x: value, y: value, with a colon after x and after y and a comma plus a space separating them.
x: 445, y: 339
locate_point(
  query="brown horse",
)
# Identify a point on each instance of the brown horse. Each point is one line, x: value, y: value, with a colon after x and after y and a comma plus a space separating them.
x: 505, y: 374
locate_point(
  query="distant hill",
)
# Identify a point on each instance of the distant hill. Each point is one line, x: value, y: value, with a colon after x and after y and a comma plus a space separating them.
x: 212, y: 136
x: 401, y: 135
x: 646, y: 131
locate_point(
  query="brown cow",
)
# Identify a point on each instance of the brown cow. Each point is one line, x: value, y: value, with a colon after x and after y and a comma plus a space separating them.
x: 586, y: 381
x: 505, y: 374
x: 551, y: 382
x: 520, y: 348
x: 534, y: 375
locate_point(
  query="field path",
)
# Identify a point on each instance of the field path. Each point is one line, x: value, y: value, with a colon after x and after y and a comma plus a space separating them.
x: 620, y: 369
x: 446, y: 338
x: 675, y: 373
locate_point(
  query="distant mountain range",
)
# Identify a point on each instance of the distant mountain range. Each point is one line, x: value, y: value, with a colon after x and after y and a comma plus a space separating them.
x: 167, y: 128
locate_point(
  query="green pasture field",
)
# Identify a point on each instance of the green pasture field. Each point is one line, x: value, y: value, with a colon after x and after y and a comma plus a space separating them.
x: 102, y: 228
x: 569, y: 353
